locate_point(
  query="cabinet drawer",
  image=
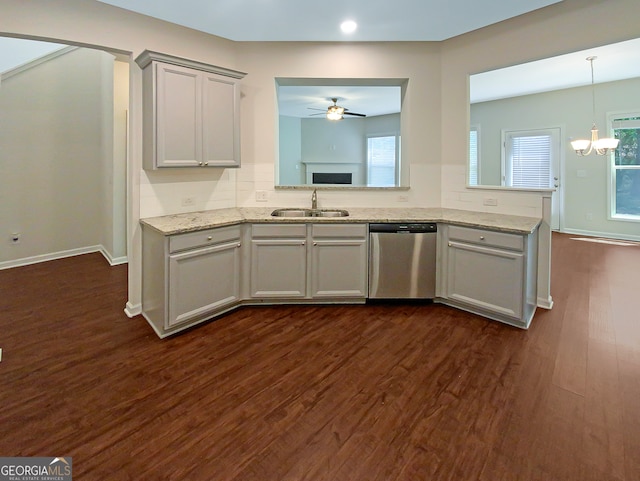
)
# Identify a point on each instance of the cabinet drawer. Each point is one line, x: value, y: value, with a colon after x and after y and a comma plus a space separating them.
x: 487, y: 237
x: 339, y: 230
x: 203, y: 237
x: 279, y: 230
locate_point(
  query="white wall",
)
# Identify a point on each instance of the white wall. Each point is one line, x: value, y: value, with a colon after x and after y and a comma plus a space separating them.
x: 571, y: 110
x: 56, y: 130
x: 290, y: 170
x: 118, y: 184
x: 554, y: 30
x: 94, y: 24
x: 418, y: 62
x: 331, y: 142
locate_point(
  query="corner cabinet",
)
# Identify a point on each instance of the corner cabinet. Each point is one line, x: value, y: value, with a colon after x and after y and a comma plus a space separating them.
x: 493, y: 274
x: 191, y: 113
x: 189, y: 278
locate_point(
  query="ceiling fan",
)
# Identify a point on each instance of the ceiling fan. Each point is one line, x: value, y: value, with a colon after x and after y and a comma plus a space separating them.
x: 336, y: 112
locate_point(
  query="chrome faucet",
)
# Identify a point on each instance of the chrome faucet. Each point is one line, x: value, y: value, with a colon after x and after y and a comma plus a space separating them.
x: 314, y: 200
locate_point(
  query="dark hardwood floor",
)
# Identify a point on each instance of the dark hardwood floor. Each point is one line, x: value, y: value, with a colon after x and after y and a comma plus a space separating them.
x: 340, y: 393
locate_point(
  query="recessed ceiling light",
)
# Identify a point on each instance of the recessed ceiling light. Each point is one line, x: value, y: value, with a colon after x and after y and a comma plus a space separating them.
x: 348, y: 26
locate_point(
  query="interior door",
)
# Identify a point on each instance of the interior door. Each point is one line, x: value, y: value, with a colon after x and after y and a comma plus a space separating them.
x: 531, y: 160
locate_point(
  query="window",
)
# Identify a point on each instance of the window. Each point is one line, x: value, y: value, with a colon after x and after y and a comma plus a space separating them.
x: 474, y: 175
x: 529, y: 158
x: 382, y: 160
x: 625, y: 169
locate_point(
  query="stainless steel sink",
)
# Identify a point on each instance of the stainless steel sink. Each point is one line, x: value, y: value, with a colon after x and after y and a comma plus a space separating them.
x: 330, y: 213
x: 293, y: 212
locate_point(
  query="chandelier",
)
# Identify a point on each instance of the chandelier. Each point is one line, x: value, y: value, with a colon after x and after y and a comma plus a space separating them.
x: 599, y: 146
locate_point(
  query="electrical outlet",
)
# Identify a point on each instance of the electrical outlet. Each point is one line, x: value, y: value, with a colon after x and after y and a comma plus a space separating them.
x: 189, y: 200
x: 490, y: 201
x: 403, y: 198
x: 261, y: 195
x: 15, y: 238
x: 589, y: 216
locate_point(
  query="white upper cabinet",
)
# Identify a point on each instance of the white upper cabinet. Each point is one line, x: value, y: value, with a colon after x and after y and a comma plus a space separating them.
x: 191, y: 113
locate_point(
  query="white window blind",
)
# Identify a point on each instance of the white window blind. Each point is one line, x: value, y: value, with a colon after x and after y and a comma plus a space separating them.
x: 381, y: 161
x: 529, y: 159
x: 473, y: 156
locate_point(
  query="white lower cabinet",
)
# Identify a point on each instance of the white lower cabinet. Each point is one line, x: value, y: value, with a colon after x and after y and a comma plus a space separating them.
x: 308, y: 261
x: 339, y: 260
x: 192, y: 277
x: 202, y: 281
x: 189, y: 278
x: 490, y: 273
x: 278, y: 261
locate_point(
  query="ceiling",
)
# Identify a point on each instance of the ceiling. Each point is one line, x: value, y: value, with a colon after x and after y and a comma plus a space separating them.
x: 305, y: 20
x: 617, y: 61
x: 300, y: 20
x: 16, y: 51
x: 313, y: 101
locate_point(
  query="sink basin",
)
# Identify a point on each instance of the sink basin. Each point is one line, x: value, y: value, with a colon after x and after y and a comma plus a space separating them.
x: 293, y: 212
x: 330, y: 213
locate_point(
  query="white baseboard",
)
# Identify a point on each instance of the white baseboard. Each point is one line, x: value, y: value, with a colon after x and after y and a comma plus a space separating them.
x: 25, y: 261
x: 113, y: 261
x: 133, y: 310
x: 545, y: 303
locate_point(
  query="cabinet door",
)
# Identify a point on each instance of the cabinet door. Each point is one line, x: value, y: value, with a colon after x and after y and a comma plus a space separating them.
x: 221, y: 122
x: 339, y: 268
x: 202, y: 281
x: 278, y: 268
x: 178, y: 116
x: 485, y: 277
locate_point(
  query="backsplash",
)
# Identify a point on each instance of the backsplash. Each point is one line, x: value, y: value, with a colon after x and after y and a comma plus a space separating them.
x: 175, y: 192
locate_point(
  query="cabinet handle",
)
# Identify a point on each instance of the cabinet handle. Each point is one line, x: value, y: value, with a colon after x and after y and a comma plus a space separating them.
x: 238, y: 244
x: 209, y: 238
x: 315, y: 243
x: 481, y: 237
x: 450, y: 244
x: 200, y: 164
x: 206, y: 163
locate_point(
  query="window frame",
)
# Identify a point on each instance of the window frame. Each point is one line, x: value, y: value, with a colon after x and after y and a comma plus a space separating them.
x: 396, y: 166
x: 612, y: 176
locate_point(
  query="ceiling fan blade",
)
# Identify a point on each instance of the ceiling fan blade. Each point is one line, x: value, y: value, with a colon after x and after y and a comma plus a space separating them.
x: 311, y: 108
x: 353, y: 113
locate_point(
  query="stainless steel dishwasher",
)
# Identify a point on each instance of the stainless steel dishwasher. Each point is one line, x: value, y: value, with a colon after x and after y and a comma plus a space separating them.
x: 402, y: 260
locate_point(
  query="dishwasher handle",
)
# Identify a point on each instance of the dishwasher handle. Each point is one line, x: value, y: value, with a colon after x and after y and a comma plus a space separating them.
x: 404, y: 227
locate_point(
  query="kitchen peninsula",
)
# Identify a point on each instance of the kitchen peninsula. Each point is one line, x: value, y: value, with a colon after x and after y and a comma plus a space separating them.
x: 199, y: 265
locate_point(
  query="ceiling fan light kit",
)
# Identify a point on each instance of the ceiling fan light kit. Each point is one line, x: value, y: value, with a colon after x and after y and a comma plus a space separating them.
x: 604, y: 146
x: 336, y: 112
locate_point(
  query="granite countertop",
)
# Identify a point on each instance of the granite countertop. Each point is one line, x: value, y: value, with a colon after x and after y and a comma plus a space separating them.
x: 194, y: 221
